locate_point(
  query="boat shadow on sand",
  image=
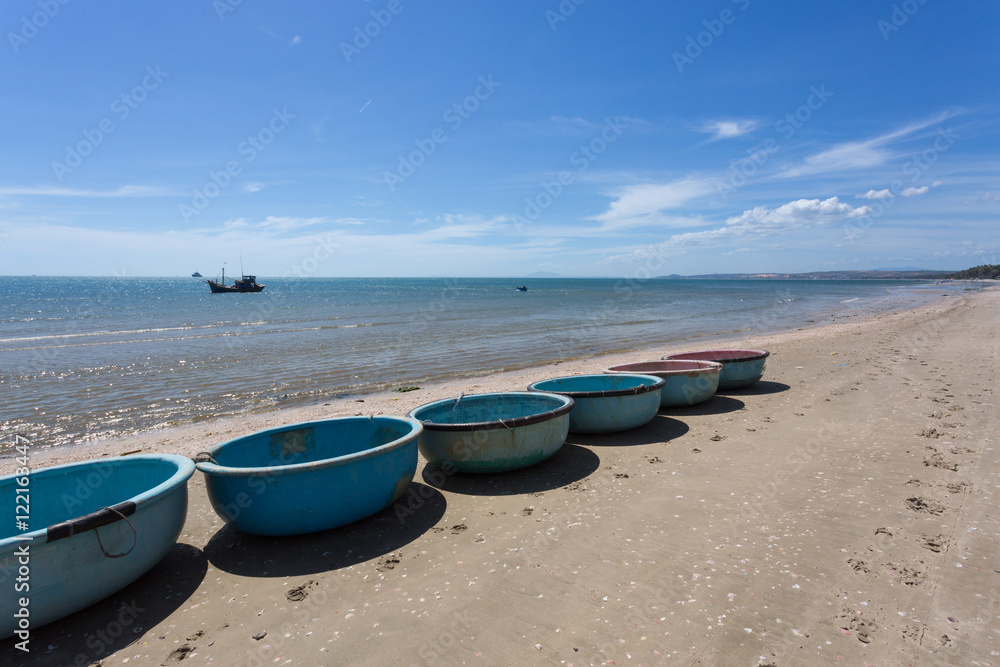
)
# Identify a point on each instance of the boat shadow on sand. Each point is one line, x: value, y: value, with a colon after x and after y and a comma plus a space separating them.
x: 570, y: 464
x: 103, y: 628
x: 717, y: 405
x: 420, y: 508
x: 660, y: 430
x: 761, y: 388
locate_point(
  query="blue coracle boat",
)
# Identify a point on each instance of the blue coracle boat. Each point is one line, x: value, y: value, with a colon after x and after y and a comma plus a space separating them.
x: 311, y: 476
x: 493, y: 432
x: 607, y: 403
x: 740, y: 368
x: 687, y: 382
x: 106, y: 523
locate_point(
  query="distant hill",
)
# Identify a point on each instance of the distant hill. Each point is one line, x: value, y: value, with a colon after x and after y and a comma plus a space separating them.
x: 888, y: 274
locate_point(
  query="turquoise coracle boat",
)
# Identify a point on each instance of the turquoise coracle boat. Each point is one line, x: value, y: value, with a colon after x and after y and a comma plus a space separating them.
x: 312, y: 476
x: 493, y: 432
x: 740, y: 368
x: 106, y: 523
x: 607, y: 403
x: 687, y: 382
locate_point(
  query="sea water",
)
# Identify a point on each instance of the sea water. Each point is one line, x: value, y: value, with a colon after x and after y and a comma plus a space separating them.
x: 86, y: 358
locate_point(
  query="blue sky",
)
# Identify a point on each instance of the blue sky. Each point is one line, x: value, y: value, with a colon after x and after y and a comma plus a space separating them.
x: 582, y: 137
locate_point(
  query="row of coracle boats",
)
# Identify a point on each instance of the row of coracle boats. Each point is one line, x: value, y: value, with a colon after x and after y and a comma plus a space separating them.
x: 109, y: 521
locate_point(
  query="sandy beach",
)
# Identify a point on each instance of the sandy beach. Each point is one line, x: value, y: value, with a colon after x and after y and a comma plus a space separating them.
x: 842, y: 510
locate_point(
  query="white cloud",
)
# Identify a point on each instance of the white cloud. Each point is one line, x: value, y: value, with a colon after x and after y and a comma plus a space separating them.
x: 644, y: 204
x: 453, y: 244
x: 295, y: 41
x: 875, y: 194
x: 888, y: 194
x: 756, y: 223
x: 253, y: 187
x: 123, y: 191
x: 727, y: 129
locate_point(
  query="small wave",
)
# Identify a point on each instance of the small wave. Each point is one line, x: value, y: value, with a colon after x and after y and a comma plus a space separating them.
x: 94, y: 333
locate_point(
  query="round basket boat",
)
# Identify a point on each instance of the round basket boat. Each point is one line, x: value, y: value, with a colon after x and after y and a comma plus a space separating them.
x: 106, y: 523
x: 686, y: 382
x: 312, y: 476
x: 607, y: 403
x: 493, y: 432
x: 740, y: 368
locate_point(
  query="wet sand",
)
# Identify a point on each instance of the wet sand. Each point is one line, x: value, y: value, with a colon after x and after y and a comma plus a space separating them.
x: 843, y: 510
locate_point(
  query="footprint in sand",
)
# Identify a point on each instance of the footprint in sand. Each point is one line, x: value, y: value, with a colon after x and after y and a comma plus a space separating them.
x: 957, y: 487
x: 455, y: 530
x: 852, y: 624
x: 937, y: 460
x: 924, y: 505
x: 388, y: 562
x: 861, y: 568
x: 179, y: 654
x: 930, y: 433
x: 299, y: 593
x: 935, y: 543
x: 910, y: 576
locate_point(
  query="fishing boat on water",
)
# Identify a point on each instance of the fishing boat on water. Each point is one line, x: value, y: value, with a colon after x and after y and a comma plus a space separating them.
x: 196, y: 275
x: 244, y: 284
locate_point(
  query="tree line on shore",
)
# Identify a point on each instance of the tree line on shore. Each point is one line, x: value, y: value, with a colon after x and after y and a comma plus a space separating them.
x: 984, y: 271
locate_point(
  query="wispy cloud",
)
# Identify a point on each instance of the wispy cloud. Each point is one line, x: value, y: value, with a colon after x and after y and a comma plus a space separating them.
x: 645, y: 203
x: 728, y: 129
x: 295, y: 41
x: 987, y: 197
x: 865, y: 154
x: 913, y: 192
x: 580, y: 126
x: 123, y: 191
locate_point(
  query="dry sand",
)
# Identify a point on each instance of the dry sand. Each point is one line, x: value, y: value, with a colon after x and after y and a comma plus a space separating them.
x: 843, y: 510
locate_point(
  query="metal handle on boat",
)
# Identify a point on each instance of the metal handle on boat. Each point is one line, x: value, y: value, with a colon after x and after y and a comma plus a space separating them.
x: 102, y: 517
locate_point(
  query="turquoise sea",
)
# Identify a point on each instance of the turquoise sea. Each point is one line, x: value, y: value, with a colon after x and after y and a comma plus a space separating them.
x: 85, y: 358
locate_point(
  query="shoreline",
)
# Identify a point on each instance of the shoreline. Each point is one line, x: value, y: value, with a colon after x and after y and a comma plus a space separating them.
x: 143, y: 409
x: 843, y: 509
x: 174, y: 439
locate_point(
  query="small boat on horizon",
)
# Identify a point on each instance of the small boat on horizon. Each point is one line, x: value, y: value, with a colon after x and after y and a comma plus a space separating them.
x: 196, y: 275
x: 244, y: 284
